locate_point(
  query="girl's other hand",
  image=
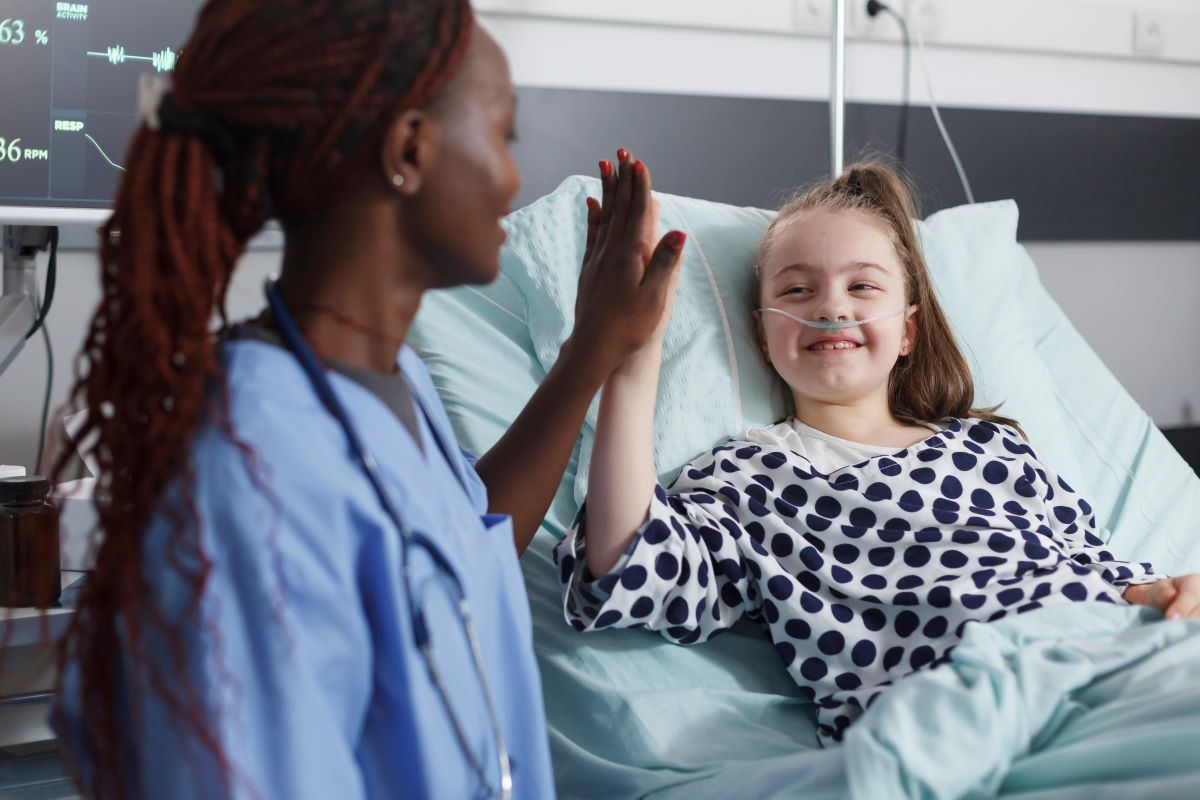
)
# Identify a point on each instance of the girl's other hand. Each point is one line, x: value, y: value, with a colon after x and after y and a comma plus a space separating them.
x: 628, y: 276
x: 1177, y: 597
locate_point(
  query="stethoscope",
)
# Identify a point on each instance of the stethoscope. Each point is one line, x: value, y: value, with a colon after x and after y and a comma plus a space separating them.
x: 408, y: 539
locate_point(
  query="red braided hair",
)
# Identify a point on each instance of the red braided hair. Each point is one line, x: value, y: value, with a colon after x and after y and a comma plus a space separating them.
x: 300, y: 87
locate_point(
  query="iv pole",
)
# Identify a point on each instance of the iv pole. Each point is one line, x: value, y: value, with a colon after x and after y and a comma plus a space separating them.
x: 837, y: 89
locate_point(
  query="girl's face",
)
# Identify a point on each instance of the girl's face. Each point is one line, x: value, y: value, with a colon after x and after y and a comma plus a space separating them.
x: 834, y: 266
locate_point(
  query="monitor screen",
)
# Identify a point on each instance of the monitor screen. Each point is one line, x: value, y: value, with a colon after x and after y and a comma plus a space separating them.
x: 68, y: 98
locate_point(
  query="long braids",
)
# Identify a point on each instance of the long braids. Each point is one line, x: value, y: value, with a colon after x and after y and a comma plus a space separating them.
x: 269, y: 100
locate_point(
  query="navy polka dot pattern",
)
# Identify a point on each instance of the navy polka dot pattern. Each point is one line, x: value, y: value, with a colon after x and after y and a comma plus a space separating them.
x: 861, y: 576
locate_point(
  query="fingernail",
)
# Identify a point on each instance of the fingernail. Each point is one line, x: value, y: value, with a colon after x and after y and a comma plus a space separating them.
x: 676, y: 240
x: 639, y: 168
x: 605, y: 169
x: 592, y: 203
x: 622, y: 154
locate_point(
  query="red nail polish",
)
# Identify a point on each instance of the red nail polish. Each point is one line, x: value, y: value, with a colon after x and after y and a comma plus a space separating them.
x: 591, y: 202
x: 676, y: 240
x: 605, y: 169
x: 639, y: 168
x: 622, y: 154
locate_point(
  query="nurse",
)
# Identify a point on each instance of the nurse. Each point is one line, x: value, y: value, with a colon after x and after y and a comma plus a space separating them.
x: 306, y: 589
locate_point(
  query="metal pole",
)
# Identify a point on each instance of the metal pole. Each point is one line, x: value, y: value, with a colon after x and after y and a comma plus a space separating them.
x: 837, y: 92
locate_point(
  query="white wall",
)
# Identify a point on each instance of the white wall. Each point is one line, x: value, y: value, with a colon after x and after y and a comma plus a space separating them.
x: 566, y: 53
x: 1138, y: 306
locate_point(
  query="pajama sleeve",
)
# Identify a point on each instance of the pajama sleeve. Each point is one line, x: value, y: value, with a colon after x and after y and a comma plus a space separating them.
x: 685, y: 572
x: 1072, y: 521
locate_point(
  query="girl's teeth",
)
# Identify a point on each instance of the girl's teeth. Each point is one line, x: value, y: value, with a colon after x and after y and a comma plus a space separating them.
x: 834, y: 346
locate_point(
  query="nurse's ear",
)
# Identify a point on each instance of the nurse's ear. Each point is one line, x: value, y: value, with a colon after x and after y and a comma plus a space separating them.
x: 410, y: 148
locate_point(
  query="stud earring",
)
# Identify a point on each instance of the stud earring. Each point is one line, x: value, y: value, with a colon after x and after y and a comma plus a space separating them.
x: 397, y: 180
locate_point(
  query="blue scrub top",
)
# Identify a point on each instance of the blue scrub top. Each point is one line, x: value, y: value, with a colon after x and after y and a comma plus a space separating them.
x: 306, y: 663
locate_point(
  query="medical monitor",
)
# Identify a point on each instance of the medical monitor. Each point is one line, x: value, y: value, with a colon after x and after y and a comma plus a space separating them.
x: 68, y: 99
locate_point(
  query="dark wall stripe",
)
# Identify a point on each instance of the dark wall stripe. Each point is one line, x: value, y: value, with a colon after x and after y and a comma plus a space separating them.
x: 1076, y: 177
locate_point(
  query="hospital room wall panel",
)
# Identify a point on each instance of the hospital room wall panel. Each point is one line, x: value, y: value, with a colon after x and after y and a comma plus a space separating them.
x: 1076, y: 177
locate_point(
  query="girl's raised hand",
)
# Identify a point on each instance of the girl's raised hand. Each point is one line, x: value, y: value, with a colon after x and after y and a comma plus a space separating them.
x: 1175, y: 597
x: 628, y: 276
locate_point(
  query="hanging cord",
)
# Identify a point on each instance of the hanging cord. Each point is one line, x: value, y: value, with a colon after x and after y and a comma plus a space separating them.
x: 874, y: 8
x: 937, y: 117
x: 39, y: 324
x: 46, y: 397
x: 51, y: 279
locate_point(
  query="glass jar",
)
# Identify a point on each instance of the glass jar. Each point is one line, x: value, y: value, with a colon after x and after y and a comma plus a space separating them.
x: 29, y: 546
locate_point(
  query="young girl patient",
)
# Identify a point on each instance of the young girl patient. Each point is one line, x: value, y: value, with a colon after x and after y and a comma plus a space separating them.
x: 866, y: 531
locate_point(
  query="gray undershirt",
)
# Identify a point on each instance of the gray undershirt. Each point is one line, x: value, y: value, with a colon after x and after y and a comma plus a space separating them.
x: 391, y: 389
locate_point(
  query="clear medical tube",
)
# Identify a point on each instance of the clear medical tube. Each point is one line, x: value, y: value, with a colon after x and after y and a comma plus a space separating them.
x: 830, y: 326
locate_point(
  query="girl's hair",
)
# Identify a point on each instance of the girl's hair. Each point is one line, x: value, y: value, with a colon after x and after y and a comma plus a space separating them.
x: 933, y: 381
x: 271, y: 101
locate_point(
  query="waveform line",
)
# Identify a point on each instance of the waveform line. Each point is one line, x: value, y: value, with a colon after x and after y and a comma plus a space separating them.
x: 163, y: 60
x: 102, y: 153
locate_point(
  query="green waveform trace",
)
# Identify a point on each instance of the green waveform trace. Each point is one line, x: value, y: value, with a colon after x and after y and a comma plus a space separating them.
x: 102, y: 153
x: 162, y: 60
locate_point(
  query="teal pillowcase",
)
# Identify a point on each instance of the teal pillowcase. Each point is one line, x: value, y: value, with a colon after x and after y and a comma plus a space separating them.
x: 973, y: 258
x: 1025, y: 353
x: 713, y: 381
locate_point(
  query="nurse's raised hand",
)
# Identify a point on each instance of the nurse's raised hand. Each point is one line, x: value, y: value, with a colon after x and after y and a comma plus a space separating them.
x: 628, y: 275
x: 625, y: 288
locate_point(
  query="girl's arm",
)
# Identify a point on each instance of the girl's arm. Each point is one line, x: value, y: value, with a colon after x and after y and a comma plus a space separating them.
x: 1176, y: 597
x: 622, y: 478
x: 1072, y: 521
x: 687, y: 573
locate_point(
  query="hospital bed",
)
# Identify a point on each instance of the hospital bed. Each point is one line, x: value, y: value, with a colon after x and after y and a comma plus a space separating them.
x: 1068, y: 703
x: 632, y: 715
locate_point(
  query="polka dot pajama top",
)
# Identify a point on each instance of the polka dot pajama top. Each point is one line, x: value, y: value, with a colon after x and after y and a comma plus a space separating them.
x: 861, y: 575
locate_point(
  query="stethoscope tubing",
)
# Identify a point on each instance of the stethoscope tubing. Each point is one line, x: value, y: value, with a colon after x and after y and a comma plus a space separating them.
x: 325, y: 392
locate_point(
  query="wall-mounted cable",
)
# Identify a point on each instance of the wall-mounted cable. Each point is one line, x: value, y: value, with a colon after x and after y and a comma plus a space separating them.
x: 874, y: 7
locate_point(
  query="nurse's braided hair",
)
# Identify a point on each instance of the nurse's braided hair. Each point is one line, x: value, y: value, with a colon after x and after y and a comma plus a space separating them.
x: 933, y: 381
x: 269, y: 101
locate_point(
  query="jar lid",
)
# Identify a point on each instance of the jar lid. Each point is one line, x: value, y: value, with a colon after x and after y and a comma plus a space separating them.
x: 28, y: 489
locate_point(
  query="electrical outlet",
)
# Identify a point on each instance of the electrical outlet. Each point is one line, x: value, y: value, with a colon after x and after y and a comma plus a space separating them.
x: 1149, y: 34
x: 925, y: 13
x: 862, y: 25
x: 928, y: 15
x: 812, y: 16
